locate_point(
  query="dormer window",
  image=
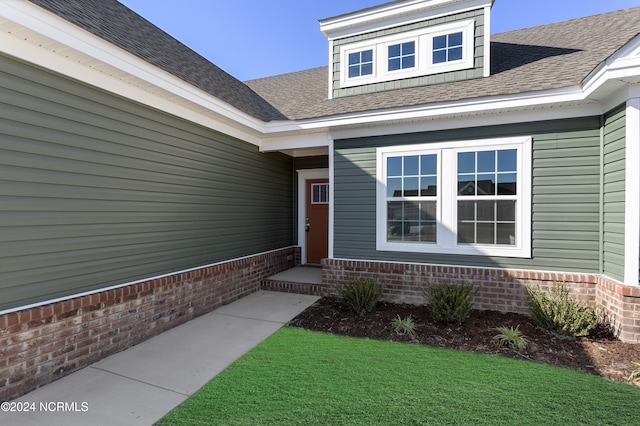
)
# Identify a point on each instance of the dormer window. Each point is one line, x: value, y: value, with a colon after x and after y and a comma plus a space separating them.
x: 402, y: 56
x: 447, y: 48
x: 361, y: 63
x: 430, y: 50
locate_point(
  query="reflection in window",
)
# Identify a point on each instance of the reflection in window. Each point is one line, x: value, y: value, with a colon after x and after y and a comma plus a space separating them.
x: 412, y: 198
x: 487, y: 196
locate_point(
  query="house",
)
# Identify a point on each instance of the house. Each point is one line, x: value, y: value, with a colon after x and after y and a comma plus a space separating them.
x: 142, y: 186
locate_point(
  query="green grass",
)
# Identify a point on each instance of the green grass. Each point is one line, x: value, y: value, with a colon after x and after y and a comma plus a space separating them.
x: 299, y: 377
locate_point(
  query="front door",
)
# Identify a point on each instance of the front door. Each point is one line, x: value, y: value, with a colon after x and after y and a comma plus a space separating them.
x: 317, y: 219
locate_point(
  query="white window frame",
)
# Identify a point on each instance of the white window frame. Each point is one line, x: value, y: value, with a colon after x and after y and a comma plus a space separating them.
x: 447, y: 211
x: 423, y: 39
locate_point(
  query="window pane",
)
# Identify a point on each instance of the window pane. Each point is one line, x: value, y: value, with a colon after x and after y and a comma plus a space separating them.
x: 354, y: 58
x: 507, y: 184
x: 408, y: 62
x: 394, y: 64
x: 412, y: 231
x: 411, y: 211
x: 506, y: 234
x: 440, y: 42
x: 507, y: 160
x: 466, y: 233
x: 367, y: 69
x: 466, y: 162
x: 411, y: 165
x: 506, y: 211
x: 367, y: 56
x: 486, y: 184
x: 428, y: 233
x: 394, y: 51
x: 466, y: 211
x: 354, y: 71
x: 467, y: 185
x: 486, y: 161
x: 486, y: 211
x: 439, y: 56
x: 455, y: 39
x: 394, y: 231
x: 428, y: 164
x: 394, y: 187
x: 485, y: 233
x: 408, y: 48
x: 428, y: 211
x: 411, y: 187
x: 394, y: 211
x: 429, y: 186
x: 455, y: 54
x: 394, y: 166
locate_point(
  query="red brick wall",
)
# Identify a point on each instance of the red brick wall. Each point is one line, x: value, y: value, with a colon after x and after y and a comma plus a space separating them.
x: 499, y: 289
x: 42, y: 344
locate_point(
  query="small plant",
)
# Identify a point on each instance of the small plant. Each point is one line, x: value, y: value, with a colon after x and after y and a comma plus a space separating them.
x: 404, y: 325
x: 450, y: 302
x: 512, y: 337
x: 635, y: 374
x: 557, y: 313
x: 360, y: 294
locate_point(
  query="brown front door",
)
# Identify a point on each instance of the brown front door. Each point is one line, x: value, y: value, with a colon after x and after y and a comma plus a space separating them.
x: 317, y: 220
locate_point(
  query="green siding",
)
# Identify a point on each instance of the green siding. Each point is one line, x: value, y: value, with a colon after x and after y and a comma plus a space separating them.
x: 613, y: 192
x: 96, y: 190
x: 565, y: 196
x: 476, y: 72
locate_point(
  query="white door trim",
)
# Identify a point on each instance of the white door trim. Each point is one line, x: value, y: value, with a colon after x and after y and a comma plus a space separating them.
x: 303, y: 176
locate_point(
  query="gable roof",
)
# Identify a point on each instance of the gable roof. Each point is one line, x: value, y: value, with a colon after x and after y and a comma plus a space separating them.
x: 119, y: 25
x: 543, y: 58
x: 546, y: 57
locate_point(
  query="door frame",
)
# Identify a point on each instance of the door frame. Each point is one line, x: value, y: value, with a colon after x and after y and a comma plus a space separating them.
x: 303, y: 176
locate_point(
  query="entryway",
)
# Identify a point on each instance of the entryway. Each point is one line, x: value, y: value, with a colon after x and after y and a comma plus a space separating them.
x: 313, y: 215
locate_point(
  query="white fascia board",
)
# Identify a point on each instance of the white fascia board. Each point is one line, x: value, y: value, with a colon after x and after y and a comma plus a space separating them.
x: 33, y: 18
x: 393, y: 14
x: 295, y: 142
x: 445, y: 109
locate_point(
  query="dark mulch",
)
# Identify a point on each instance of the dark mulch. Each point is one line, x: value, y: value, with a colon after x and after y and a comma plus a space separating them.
x: 599, y: 354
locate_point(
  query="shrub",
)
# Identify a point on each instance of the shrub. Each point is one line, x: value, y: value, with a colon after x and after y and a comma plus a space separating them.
x: 450, y: 302
x: 511, y: 337
x: 556, y: 312
x: 360, y: 294
x: 635, y: 374
x: 404, y: 325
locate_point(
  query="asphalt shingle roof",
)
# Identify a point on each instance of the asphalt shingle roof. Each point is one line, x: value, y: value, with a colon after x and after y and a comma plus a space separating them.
x: 547, y: 57
x: 540, y: 58
x: 119, y: 25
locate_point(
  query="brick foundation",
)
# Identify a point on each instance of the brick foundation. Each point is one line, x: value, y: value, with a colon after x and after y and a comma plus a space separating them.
x: 39, y: 345
x: 499, y: 289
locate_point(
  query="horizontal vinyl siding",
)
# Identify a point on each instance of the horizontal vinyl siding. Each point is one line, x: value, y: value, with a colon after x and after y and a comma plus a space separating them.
x: 97, y: 191
x: 614, y: 196
x: 566, y: 189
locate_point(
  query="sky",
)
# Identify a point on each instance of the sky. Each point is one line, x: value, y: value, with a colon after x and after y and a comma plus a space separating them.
x: 260, y: 38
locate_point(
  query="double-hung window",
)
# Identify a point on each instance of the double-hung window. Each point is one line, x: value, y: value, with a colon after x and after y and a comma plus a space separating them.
x: 471, y: 197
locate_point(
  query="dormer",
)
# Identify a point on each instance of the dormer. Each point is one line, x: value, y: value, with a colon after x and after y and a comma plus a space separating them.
x: 407, y: 43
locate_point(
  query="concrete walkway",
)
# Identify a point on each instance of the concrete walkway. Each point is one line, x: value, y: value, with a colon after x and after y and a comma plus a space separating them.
x: 140, y: 385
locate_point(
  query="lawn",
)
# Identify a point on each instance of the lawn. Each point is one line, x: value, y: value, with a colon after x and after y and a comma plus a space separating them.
x: 300, y: 377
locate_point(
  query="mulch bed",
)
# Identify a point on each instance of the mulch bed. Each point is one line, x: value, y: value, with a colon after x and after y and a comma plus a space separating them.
x: 600, y: 353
